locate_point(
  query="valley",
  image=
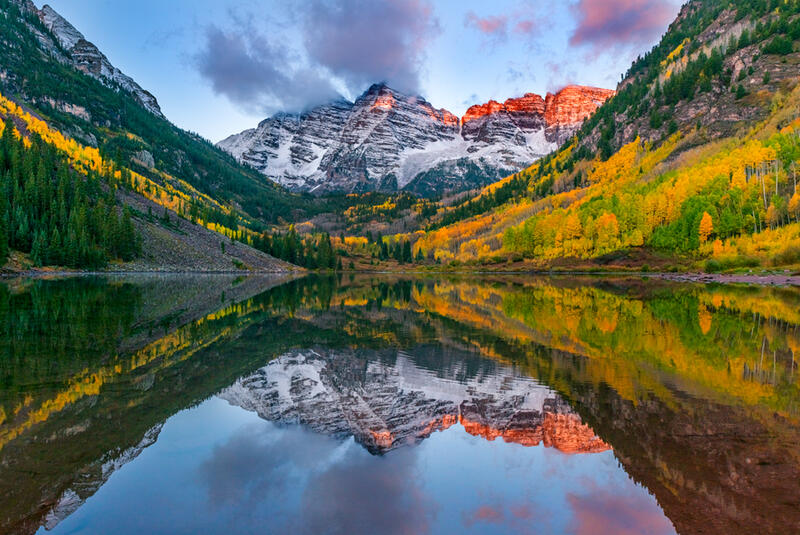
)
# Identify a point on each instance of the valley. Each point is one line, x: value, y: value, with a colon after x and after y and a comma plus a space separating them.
x: 399, y: 267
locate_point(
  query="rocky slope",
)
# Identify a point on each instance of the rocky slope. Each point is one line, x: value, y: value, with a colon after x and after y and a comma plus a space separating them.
x: 389, y: 141
x: 87, y: 58
x: 390, y: 402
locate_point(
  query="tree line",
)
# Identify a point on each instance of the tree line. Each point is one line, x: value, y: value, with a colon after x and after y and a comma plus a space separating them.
x: 311, y: 251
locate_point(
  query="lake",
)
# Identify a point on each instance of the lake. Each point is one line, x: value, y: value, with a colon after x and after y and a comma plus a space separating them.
x: 392, y: 404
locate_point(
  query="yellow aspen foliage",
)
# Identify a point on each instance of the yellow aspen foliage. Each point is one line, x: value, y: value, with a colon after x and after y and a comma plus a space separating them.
x: 85, y: 159
x: 704, y: 319
x: 773, y: 217
x: 794, y: 205
x: 717, y: 247
x: 572, y: 227
x: 706, y: 227
x: 607, y: 229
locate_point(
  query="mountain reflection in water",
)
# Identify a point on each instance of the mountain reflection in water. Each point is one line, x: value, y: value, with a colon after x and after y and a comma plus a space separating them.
x: 385, y: 400
x: 398, y: 405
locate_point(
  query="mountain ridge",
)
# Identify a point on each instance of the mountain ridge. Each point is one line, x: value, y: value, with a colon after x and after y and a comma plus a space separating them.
x: 387, y: 141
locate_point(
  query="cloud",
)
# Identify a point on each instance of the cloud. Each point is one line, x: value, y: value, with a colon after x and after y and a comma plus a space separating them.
x: 522, y: 511
x: 336, y: 44
x: 525, y: 27
x: 366, y: 494
x: 259, y: 463
x: 484, y: 513
x: 495, y: 27
x: 606, y: 511
x: 605, y: 24
x: 364, y: 41
x: 257, y: 74
x: 292, y: 480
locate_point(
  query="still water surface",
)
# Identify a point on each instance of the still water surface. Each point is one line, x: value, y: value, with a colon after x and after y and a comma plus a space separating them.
x: 398, y: 405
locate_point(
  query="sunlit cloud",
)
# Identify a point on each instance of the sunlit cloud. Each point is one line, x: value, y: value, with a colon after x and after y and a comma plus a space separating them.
x: 495, y: 27
x: 484, y: 514
x: 606, y: 511
x: 604, y: 24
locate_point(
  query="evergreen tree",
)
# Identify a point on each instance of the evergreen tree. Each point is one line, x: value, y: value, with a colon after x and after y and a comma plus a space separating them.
x: 39, y: 249
x: 407, y: 256
x: 3, y: 237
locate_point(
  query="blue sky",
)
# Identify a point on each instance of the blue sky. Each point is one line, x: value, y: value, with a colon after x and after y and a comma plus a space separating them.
x: 218, y: 67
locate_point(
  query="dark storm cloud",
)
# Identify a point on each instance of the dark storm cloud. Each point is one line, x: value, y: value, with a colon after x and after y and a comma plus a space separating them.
x: 604, y: 24
x: 364, y: 41
x: 357, y: 42
x: 257, y: 74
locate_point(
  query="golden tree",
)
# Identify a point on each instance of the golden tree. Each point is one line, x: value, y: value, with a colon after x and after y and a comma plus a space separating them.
x: 706, y: 227
x: 794, y: 205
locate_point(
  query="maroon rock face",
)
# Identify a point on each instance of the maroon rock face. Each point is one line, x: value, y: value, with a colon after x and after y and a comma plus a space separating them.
x: 559, y: 115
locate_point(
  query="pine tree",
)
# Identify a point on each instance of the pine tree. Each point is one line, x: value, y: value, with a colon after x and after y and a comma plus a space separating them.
x: 130, y: 246
x: 3, y: 238
x: 55, y: 253
x: 407, y: 256
x: 39, y: 249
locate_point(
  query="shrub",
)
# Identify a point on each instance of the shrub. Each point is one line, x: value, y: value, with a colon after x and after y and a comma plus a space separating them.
x: 712, y: 266
x: 715, y: 265
x: 790, y: 255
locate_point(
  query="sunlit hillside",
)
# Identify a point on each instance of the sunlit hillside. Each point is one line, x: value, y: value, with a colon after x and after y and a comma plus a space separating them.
x: 690, y: 179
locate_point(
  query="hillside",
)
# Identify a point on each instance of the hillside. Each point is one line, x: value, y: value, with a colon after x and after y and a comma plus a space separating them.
x: 694, y: 159
x: 77, y: 91
x: 69, y: 113
x: 64, y: 205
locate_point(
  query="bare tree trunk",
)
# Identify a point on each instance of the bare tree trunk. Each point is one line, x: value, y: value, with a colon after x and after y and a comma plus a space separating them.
x: 776, y: 177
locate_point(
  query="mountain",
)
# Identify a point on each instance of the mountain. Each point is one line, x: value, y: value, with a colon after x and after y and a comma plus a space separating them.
x: 692, y: 164
x: 388, y: 403
x: 87, y: 58
x: 389, y: 141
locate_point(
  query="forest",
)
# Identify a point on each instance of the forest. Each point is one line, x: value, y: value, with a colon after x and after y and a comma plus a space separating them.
x: 52, y: 213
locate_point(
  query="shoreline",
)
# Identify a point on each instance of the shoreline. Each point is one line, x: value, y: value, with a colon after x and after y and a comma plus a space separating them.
x: 768, y: 279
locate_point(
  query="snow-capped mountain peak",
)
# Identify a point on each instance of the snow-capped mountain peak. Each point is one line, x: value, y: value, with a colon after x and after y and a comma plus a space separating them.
x: 387, y: 140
